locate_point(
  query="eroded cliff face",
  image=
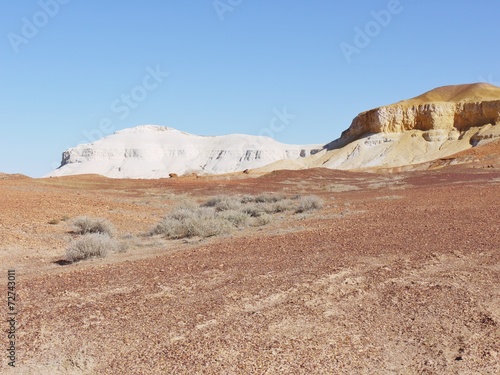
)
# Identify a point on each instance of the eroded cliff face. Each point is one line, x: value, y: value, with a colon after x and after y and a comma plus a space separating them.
x: 445, y: 117
x: 437, y: 124
x: 152, y: 151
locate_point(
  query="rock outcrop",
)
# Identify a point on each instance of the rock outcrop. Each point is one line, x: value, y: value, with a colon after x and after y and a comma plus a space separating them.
x: 435, y: 125
x: 444, y: 113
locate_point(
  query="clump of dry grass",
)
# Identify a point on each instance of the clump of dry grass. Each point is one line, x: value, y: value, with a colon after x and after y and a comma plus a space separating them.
x: 222, y: 213
x: 223, y: 203
x: 263, y: 219
x: 86, y: 225
x: 192, y: 222
x: 340, y: 188
x: 309, y: 203
x: 236, y: 218
x: 96, y: 240
x: 92, y: 245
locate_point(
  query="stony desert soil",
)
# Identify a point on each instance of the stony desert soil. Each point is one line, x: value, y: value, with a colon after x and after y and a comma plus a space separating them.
x: 397, y: 274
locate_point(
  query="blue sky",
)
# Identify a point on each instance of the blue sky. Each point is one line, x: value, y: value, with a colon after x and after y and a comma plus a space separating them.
x: 72, y: 70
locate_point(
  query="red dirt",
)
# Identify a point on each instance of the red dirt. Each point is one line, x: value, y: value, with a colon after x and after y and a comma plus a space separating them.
x: 398, y: 273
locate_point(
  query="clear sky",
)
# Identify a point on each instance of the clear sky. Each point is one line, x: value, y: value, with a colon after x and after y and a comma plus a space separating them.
x: 72, y: 70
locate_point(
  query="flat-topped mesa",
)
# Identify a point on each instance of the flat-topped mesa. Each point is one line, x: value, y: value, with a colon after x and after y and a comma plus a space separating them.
x: 153, y: 151
x: 450, y: 109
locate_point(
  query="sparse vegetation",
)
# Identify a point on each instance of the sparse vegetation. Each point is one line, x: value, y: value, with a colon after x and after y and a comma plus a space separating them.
x: 224, y: 203
x: 222, y: 213
x: 236, y: 218
x: 96, y: 240
x: 126, y: 242
x: 266, y: 198
x: 340, y: 188
x: 309, y: 203
x: 192, y: 222
x: 86, y: 225
x: 92, y: 245
x: 263, y: 219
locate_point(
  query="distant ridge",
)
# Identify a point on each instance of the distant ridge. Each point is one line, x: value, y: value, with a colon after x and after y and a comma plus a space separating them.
x: 17, y: 176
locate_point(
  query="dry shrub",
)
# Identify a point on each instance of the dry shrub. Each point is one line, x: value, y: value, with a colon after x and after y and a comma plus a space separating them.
x: 86, y: 225
x: 186, y: 223
x: 222, y: 213
x: 236, y: 218
x: 254, y: 210
x: 224, y: 203
x: 340, y: 188
x: 257, y: 208
x: 282, y: 206
x: 265, y: 198
x: 93, y: 245
x: 309, y: 203
x: 263, y: 219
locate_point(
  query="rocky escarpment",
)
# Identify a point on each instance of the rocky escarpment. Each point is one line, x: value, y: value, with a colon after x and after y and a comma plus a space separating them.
x: 441, y: 111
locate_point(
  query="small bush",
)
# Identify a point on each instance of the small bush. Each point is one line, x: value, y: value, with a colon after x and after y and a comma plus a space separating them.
x: 283, y: 206
x: 263, y: 219
x: 247, y: 199
x: 198, y: 222
x: 254, y: 210
x: 86, y: 225
x: 224, y: 203
x: 269, y: 207
x: 309, y: 203
x: 54, y: 221
x: 91, y: 245
x: 185, y: 202
x: 236, y: 218
x: 222, y: 213
x: 269, y: 198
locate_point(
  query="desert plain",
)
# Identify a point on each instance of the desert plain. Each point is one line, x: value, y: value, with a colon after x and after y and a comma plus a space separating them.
x: 397, y: 273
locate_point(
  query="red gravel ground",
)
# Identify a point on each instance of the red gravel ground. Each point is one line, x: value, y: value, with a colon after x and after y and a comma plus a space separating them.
x: 396, y: 274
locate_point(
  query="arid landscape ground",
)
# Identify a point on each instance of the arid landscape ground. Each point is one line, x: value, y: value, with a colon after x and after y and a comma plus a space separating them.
x: 398, y: 273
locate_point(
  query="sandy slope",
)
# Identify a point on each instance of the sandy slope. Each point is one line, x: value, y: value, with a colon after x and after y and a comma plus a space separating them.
x: 479, y: 92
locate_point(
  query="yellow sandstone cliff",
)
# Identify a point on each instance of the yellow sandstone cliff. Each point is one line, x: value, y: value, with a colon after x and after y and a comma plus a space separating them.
x: 434, y: 125
x: 449, y: 110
